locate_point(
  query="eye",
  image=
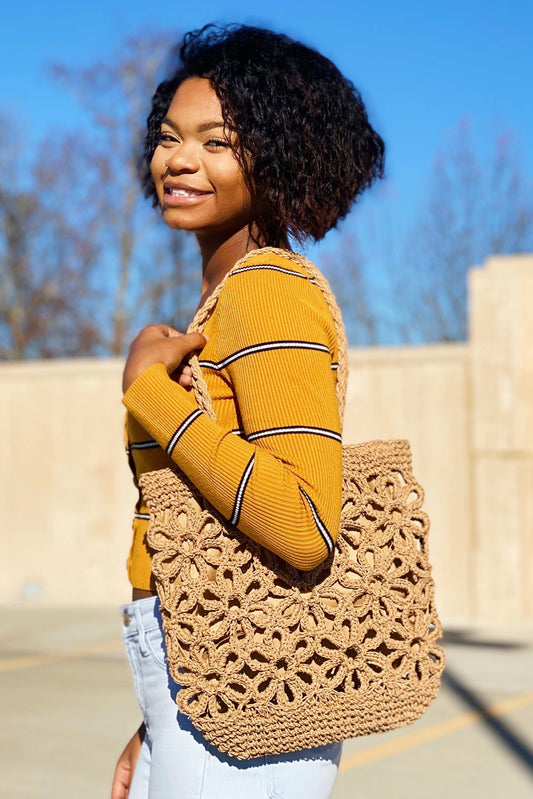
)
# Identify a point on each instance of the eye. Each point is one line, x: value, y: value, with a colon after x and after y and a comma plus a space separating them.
x: 165, y: 136
x: 216, y: 144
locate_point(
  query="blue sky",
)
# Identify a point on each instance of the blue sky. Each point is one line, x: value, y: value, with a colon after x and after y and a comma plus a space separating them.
x: 420, y: 65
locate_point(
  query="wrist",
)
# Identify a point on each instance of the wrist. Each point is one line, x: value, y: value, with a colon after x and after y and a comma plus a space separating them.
x: 134, y: 370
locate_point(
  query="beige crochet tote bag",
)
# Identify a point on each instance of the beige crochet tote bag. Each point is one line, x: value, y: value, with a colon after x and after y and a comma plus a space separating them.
x: 271, y: 659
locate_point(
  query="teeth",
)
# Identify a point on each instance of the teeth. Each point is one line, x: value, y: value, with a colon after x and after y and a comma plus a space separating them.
x: 185, y: 192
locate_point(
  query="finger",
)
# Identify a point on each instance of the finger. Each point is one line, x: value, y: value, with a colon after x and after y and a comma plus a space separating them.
x: 172, y: 333
x: 194, y: 341
x: 188, y: 342
x: 183, y: 375
x: 185, y: 380
x: 178, y: 348
x: 166, y: 330
x: 154, y: 332
x: 121, y: 782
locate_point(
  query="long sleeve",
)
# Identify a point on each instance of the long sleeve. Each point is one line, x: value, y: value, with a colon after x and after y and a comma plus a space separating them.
x: 273, y: 343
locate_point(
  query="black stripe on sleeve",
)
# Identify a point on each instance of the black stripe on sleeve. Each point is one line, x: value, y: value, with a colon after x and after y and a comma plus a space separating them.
x: 265, y: 347
x: 181, y: 429
x: 280, y: 431
x: 240, y: 491
x: 144, y: 444
x: 322, y: 529
x: 271, y: 267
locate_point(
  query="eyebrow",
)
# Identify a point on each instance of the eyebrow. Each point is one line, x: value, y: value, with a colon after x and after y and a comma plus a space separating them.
x: 205, y: 126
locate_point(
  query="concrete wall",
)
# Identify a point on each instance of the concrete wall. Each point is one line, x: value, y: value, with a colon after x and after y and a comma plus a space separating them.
x: 501, y: 334
x: 466, y: 408
x: 65, y: 488
x: 422, y: 394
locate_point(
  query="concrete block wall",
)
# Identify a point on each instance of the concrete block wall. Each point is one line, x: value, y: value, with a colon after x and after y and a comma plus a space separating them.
x: 501, y: 345
x: 467, y: 410
x: 64, y: 483
x: 421, y: 393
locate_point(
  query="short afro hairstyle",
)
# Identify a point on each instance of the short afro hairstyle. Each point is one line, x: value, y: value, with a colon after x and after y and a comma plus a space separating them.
x: 304, y: 142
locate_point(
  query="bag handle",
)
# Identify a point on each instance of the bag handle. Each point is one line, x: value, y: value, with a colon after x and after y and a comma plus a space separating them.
x: 204, y: 312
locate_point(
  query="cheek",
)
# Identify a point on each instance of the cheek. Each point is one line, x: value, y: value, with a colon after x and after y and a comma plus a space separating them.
x: 236, y: 190
x: 231, y: 177
x: 155, y: 169
x: 246, y: 199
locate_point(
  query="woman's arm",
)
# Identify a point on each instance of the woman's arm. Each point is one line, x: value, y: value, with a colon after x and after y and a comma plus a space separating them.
x: 125, y: 767
x: 281, y: 483
x: 160, y: 344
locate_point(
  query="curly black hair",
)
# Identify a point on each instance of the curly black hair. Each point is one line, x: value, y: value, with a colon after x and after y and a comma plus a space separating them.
x: 304, y: 142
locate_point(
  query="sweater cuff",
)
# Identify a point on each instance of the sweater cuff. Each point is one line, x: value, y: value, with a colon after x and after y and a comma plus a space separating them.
x: 152, y: 391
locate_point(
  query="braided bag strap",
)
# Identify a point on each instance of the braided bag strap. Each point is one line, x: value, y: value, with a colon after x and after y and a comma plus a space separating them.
x: 270, y: 659
x: 204, y: 312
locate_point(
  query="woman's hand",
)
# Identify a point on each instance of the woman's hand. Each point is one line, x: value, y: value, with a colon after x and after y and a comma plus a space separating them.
x: 160, y: 344
x: 183, y: 375
x: 126, y: 765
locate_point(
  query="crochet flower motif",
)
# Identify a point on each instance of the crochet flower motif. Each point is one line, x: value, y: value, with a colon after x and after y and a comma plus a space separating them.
x: 246, y: 631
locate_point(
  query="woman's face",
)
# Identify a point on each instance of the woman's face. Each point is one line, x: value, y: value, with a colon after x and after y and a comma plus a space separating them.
x: 198, y: 180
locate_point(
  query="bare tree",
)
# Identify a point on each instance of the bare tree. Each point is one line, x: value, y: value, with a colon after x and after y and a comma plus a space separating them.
x: 84, y: 261
x: 45, y: 266
x: 347, y: 274
x: 397, y: 287
x: 145, y: 266
x: 359, y: 266
x: 475, y: 207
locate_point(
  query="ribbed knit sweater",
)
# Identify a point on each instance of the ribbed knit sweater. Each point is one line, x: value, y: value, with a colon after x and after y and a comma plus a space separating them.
x: 272, y: 462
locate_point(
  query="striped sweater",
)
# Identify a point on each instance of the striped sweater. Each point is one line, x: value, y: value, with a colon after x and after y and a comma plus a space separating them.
x: 272, y: 462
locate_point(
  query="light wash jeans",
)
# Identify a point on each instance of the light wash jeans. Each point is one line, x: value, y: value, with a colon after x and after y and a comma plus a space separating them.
x: 176, y: 762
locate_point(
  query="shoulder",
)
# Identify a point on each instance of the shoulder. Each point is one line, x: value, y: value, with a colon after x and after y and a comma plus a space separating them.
x: 270, y: 294
x: 270, y: 264
x: 271, y: 278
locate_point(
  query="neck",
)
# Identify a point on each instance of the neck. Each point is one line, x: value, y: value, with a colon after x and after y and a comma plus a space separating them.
x: 219, y: 256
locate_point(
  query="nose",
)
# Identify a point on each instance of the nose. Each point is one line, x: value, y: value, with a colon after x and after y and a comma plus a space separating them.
x: 183, y: 158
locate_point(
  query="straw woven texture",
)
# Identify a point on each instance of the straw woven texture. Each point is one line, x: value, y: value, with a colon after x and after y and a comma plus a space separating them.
x: 272, y: 659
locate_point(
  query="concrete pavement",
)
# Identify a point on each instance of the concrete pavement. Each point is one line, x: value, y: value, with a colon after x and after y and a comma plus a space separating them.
x: 68, y: 707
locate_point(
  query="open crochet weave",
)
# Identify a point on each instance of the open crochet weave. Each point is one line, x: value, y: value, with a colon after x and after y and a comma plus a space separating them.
x: 271, y: 659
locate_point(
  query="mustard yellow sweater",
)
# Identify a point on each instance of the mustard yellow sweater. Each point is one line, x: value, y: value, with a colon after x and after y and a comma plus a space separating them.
x: 272, y: 462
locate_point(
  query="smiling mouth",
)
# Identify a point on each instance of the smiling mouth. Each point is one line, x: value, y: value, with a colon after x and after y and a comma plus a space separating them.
x: 170, y: 192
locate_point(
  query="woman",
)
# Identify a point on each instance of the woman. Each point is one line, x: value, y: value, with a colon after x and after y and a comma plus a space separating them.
x: 254, y: 141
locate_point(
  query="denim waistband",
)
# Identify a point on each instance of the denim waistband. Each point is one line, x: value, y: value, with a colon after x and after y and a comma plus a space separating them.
x: 141, y: 616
